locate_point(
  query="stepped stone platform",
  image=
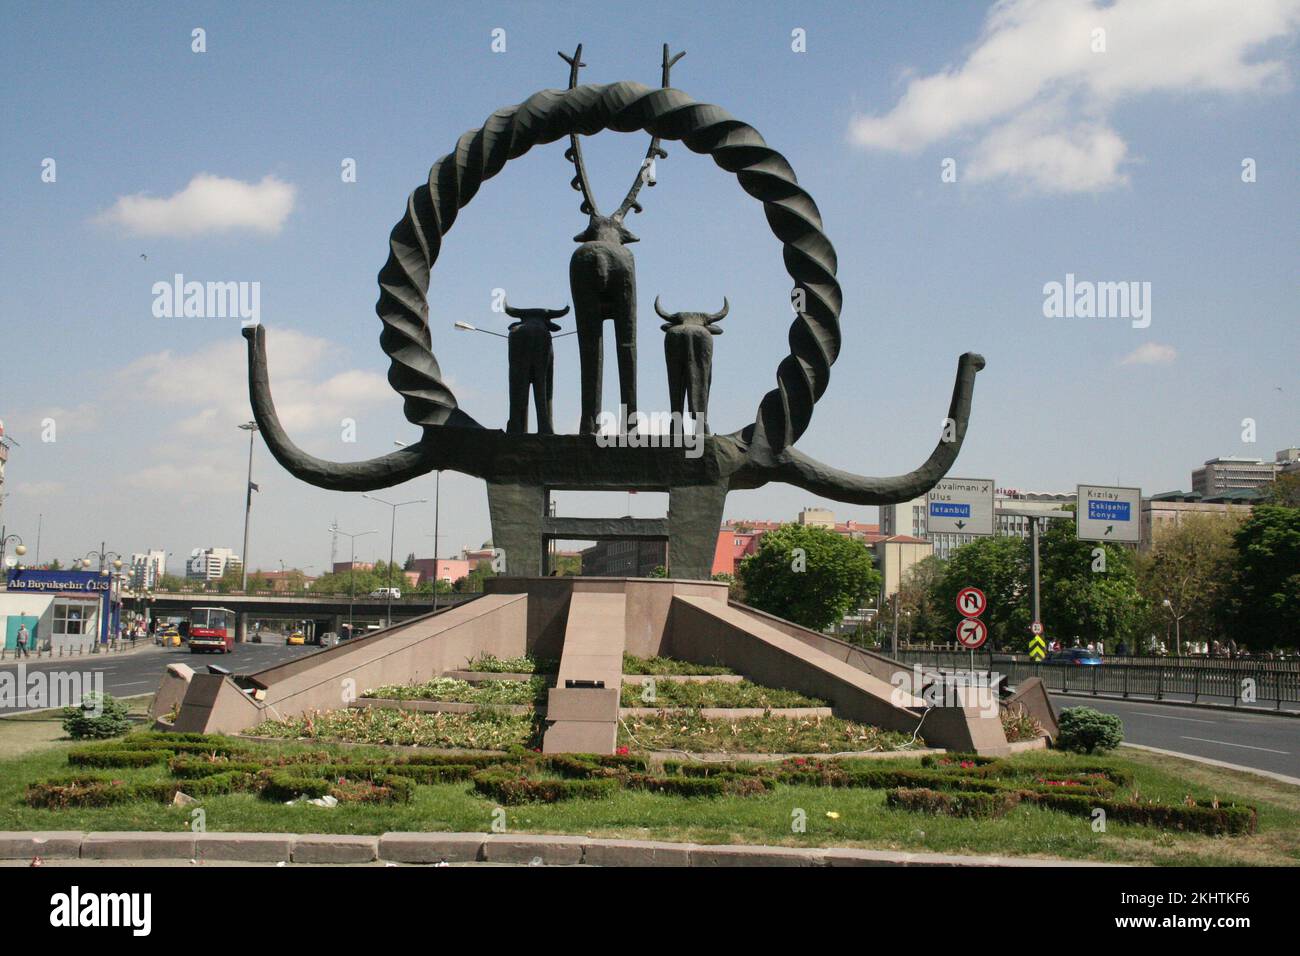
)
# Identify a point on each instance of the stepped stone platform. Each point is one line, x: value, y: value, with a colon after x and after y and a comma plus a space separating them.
x: 588, y: 624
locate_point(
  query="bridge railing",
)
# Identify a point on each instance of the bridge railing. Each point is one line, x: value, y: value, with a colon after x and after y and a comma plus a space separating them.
x: 1252, y: 683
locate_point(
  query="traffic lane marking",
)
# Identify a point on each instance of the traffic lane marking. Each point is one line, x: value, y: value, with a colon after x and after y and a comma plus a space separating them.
x: 1206, y: 740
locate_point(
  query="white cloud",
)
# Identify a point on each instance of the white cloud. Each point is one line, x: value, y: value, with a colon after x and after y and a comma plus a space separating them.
x: 1037, y: 98
x: 206, y: 391
x: 1151, y: 353
x: 209, y: 204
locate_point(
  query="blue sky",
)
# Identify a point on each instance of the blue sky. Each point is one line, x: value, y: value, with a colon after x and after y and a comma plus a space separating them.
x: 1120, y: 164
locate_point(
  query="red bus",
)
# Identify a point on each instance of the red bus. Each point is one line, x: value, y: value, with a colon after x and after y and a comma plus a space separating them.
x: 212, y: 629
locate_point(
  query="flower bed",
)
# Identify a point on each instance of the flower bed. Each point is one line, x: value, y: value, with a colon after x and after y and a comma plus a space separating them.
x: 481, y: 730
x: 692, y: 732
x: 667, y: 665
x: 529, y: 692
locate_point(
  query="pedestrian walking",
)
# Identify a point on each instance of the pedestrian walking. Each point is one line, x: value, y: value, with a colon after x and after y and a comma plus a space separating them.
x: 23, y: 638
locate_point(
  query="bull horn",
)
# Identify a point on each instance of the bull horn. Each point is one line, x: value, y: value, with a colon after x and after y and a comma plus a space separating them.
x: 382, y: 472
x: 513, y: 313
x: 795, y: 468
x: 719, y: 316
x: 662, y: 314
x: 557, y: 313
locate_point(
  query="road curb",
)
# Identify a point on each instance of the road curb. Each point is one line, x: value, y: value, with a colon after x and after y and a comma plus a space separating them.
x: 1120, y: 698
x: 443, y: 848
x: 1281, y: 778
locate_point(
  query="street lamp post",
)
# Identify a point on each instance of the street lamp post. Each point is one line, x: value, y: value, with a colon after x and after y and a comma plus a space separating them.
x: 437, y: 499
x: 102, y: 556
x: 352, y: 567
x: 392, y: 536
x: 20, y: 549
x: 1178, y: 630
x: 251, y: 428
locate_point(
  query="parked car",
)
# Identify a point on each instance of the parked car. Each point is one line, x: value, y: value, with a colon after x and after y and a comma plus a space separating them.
x: 394, y: 593
x: 1080, y: 656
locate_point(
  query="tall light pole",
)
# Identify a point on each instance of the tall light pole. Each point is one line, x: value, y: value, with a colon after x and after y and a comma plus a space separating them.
x: 392, y: 536
x: 251, y: 428
x: 20, y: 549
x: 1178, y: 626
x: 352, y: 565
x: 437, y: 508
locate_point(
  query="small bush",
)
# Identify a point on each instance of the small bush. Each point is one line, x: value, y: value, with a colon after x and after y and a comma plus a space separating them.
x: 953, y: 803
x: 1089, y: 731
x: 99, y: 717
x: 511, y: 788
x: 1018, y: 725
x: 107, y: 758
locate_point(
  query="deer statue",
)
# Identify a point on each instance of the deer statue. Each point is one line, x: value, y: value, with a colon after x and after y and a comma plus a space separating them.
x: 688, y: 350
x: 532, y: 365
x: 602, y: 273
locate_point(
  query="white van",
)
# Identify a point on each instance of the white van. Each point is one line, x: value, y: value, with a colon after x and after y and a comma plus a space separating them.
x: 394, y: 593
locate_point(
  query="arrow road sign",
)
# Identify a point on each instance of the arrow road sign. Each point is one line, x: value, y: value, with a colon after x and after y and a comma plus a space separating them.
x: 960, y: 506
x: 1037, y: 647
x: 972, y: 633
x: 971, y: 602
x: 1107, y: 513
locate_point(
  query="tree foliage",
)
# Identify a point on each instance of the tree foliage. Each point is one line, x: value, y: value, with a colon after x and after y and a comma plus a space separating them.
x: 1263, y: 607
x: 808, y: 575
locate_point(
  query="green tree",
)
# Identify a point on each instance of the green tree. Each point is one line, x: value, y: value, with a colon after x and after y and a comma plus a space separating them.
x: 1000, y: 568
x: 1284, y: 491
x: 1190, y: 566
x: 808, y: 575
x: 1264, y: 597
x: 472, y: 583
x: 1081, y: 603
x: 55, y: 565
x: 920, y: 618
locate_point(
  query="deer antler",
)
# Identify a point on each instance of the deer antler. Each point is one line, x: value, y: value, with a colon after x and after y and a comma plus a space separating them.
x: 651, y: 154
x: 574, y: 153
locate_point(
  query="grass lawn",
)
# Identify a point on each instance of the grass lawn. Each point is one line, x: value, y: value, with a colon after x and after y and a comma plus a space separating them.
x: 861, y: 819
x: 713, y: 694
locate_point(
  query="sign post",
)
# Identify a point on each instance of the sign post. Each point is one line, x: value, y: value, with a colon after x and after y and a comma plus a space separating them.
x: 971, y: 631
x: 960, y: 506
x: 1108, y: 513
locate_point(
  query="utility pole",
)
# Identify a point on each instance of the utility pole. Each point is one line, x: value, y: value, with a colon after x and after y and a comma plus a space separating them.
x: 352, y: 567
x: 251, y: 428
x: 437, y: 511
x: 392, y: 535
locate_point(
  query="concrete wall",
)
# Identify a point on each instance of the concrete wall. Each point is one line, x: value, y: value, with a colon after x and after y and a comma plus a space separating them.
x: 704, y: 632
x: 411, y: 652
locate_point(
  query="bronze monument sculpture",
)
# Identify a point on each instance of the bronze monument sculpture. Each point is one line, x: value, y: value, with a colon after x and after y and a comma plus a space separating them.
x: 688, y: 350
x: 521, y: 470
x: 532, y: 365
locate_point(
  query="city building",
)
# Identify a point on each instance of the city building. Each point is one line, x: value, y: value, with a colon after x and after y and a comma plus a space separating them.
x: 1164, y: 512
x: 65, y: 611
x: 210, y: 564
x: 895, y: 556
x: 1218, y: 476
x: 1288, y: 461
x: 1009, y: 520
x: 290, y: 579
x: 146, y: 570
x: 449, y: 570
x: 342, y: 567
x: 634, y: 558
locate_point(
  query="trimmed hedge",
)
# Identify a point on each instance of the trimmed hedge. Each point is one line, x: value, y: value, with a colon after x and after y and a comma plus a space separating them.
x: 1200, y: 817
x: 116, y: 757
x: 954, y: 803
x: 509, y: 788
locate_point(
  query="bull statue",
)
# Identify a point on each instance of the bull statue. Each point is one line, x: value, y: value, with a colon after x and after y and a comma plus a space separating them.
x: 532, y: 365
x: 602, y: 274
x: 688, y: 350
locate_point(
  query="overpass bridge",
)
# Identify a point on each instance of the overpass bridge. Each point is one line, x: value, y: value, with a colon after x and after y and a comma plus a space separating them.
x: 329, y: 610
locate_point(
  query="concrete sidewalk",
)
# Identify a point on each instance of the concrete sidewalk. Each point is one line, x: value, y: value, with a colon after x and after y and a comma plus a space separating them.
x: 71, y: 847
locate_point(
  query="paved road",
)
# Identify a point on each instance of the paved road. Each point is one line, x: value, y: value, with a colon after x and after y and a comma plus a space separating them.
x: 139, y: 672
x: 1261, y: 741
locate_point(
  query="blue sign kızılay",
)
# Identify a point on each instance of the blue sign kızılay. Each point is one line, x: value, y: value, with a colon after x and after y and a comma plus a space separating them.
x: 1108, y: 510
x: 943, y: 509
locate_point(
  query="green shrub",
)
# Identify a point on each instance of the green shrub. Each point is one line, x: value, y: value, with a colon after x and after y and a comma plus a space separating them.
x: 667, y: 665
x: 99, y: 716
x: 954, y: 803
x: 511, y: 788
x: 1089, y: 731
x: 678, y: 786
x: 115, y: 757
x: 1199, y: 816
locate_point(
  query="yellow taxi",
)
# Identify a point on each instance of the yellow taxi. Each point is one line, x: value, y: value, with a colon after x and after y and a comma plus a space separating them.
x: 296, y: 639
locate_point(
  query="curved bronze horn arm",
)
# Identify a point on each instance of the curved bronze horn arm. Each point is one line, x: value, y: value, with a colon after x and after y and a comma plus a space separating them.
x: 382, y: 472
x: 795, y: 468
